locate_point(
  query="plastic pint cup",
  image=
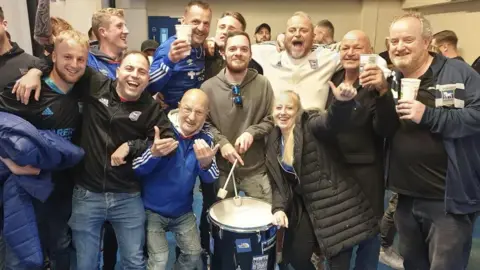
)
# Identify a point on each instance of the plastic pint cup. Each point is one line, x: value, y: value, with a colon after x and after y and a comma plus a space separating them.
x: 409, y: 88
x: 184, y: 32
x: 367, y: 59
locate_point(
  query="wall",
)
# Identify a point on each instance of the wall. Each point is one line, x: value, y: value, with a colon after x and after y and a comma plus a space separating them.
x: 376, y: 18
x: 344, y: 14
x: 77, y: 12
x: 16, y: 15
x: 462, y: 18
x: 136, y: 19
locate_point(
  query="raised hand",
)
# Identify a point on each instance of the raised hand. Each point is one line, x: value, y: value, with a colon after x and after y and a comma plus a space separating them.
x: 204, y: 152
x: 372, y: 77
x: 178, y: 50
x: 344, y: 92
x: 162, y: 147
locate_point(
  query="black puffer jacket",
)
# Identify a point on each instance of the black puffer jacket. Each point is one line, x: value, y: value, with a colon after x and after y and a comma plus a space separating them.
x: 340, y: 213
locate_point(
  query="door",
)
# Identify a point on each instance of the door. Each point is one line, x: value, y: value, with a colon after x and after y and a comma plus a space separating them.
x: 160, y: 28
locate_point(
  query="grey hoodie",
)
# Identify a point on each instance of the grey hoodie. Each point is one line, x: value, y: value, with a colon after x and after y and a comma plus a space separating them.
x: 229, y: 121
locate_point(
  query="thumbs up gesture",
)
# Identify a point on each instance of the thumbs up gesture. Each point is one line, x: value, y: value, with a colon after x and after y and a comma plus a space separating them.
x: 162, y: 147
x: 344, y: 92
x: 204, y: 152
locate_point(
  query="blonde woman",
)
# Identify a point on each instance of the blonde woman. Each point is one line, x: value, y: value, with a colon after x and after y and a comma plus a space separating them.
x: 320, y: 207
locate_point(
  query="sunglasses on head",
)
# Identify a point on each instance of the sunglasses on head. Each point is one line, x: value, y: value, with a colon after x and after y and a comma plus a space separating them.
x: 237, y: 98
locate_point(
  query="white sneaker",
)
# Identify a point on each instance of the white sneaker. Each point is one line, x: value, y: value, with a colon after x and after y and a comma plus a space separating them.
x: 389, y: 257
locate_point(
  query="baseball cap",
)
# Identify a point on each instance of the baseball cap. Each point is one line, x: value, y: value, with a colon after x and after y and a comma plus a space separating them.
x: 149, y: 44
x: 263, y: 25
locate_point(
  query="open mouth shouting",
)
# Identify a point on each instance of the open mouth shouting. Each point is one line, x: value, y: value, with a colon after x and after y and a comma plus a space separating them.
x: 133, y: 84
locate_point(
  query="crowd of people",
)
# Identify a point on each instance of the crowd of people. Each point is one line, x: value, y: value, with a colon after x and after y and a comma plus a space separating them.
x: 315, y: 133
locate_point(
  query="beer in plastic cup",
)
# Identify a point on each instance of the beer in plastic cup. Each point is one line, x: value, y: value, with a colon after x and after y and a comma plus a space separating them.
x: 367, y: 59
x: 409, y: 88
x: 184, y: 32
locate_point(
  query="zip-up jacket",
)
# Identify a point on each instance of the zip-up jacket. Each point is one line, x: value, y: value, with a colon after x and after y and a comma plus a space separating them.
x: 174, y: 79
x: 168, y: 182
x: 14, y: 64
x: 340, y: 214
x: 24, y: 144
x: 108, y: 123
x: 456, y: 117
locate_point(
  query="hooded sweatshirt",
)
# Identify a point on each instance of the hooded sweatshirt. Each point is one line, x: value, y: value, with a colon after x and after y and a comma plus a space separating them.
x: 102, y: 62
x: 230, y: 121
x: 14, y: 64
x: 168, y: 182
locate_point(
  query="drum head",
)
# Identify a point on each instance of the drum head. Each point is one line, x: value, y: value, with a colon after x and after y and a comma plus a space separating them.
x: 252, y: 215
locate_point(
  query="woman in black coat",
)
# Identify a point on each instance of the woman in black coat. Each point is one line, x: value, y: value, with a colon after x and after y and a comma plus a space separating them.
x: 321, y: 206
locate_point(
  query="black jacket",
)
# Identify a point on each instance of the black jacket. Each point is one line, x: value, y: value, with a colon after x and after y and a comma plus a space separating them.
x: 108, y: 123
x: 340, y: 214
x: 14, y: 64
x: 215, y: 63
x: 361, y: 143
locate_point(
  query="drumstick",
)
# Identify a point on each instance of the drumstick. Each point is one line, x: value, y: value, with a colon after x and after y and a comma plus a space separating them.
x: 222, y: 192
x: 230, y: 174
x: 234, y: 185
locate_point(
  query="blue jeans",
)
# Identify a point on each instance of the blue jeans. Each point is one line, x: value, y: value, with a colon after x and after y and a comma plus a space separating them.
x: 429, y: 237
x: 126, y: 214
x: 367, y: 254
x: 186, y: 235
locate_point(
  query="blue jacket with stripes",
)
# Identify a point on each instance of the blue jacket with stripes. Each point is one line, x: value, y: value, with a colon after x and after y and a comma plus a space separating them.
x: 174, y: 79
x: 168, y: 182
x: 456, y: 117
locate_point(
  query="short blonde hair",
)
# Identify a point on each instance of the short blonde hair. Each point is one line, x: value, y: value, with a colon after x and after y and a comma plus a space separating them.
x: 427, y: 31
x: 59, y: 25
x: 102, y: 18
x: 71, y: 35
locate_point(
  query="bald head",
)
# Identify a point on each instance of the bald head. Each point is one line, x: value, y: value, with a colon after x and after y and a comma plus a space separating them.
x: 360, y: 37
x: 193, y: 111
x: 354, y: 43
x: 197, y: 96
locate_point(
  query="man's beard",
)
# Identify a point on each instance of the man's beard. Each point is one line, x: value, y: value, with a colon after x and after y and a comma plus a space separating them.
x: 63, y: 76
x: 236, y: 68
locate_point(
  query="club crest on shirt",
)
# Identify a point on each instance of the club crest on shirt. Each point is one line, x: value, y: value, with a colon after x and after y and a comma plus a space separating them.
x: 134, y: 116
x: 313, y: 63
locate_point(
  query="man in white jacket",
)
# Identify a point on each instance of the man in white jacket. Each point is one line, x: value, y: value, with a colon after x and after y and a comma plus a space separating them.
x: 300, y: 67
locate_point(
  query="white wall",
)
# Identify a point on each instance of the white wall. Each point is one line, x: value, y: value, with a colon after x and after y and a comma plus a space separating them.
x: 462, y: 18
x: 344, y: 14
x: 137, y: 21
x: 77, y: 12
x: 16, y: 14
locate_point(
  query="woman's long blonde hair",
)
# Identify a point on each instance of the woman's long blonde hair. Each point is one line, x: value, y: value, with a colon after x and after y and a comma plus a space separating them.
x: 289, y: 141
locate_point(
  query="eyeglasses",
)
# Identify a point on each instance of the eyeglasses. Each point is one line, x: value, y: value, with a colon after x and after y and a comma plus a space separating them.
x: 237, y: 98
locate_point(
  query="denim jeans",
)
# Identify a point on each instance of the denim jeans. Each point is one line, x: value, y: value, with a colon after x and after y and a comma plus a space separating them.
x: 126, y: 214
x: 431, y: 239
x: 367, y: 254
x: 186, y: 235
